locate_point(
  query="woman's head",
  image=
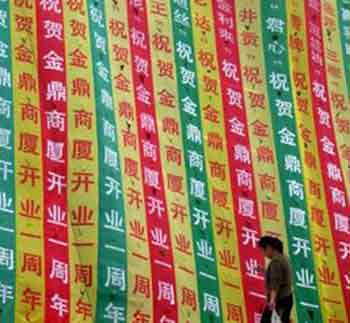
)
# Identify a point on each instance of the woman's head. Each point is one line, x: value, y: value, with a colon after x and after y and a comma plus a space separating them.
x: 270, y: 246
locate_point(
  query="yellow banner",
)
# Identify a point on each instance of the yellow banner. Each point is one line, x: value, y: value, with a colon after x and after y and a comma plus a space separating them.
x: 30, y: 271
x: 83, y: 164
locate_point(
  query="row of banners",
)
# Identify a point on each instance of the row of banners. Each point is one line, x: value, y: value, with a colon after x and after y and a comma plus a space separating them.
x: 145, y: 146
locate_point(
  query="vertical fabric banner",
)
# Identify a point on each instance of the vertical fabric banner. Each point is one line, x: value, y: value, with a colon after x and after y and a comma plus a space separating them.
x: 7, y: 172
x: 274, y: 23
x: 30, y: 297
x: 337, y: 200
x: 327, y: 274
x: 82, y: 172
x: 112, y: 283
x: 53, y: 110
x: 165, y: 307
x: 170, y: 139
x: 192, y: 136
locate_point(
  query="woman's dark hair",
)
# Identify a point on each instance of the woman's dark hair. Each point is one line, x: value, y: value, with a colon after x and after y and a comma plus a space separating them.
x: 273, y: 242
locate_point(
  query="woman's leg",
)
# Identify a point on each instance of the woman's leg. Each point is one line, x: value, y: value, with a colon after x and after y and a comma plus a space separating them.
x: 284, y: 308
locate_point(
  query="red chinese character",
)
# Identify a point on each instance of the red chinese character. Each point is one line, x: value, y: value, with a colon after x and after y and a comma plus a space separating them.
x: 120, y: 54
x: 267, y: 182
x: 175, y: 183
x: 178, y: 211
x: 210, y: 85
x: 125, y: 110
x: 211, y: 114
x: 24, y: 54
x: 28, y: 143
x: 171, y: 126
x: 78, y: 58
x: 82, y: 149
x: 117, y: 28
x: 296, y: 43
x: 137, y: 230
x: 265, y: 154
x: 234, y: 313
x: 183, y: 244
x: 207, y: 59
x: 142, y: 286
x: 315, y: 189
x: 29, y: 209
x: 31, y: 263
x: 343, y: 125
x: 202, y: 22
x: 31, y: 298
x: 122, y: 83
x: 81, y: 87
x: 173, y: 155
x: 327, y: 276
x: 338, y: 101
x: 29, y: 174
x: 140, y: 317
x: 82, y: 215
x: 76, y: 6
x: 249, y: 38
x: 24, y: 23
x: 317, y: 216
x: 333, y: 57
x: 217, y: 170
x: 131, y: 167
x: 247, y: 15
x: 78, y: 29
x: 215, y: 141
x: 220, y: 198
x: 223, y: 226
x: 257, y: 100
x: 161, y: 42
x: 26, y: 82
x: 227, y: 259
x: 83, y: 179
x: 345, y: 152
x: 28, y: 4
x: 189, y: 298
x: 302, y: 104
x: 269, y: 210
x: 166, y: 98
x: 159, y: 8
x: 296, y: 22
x: 300, y: 80
x: 306, y: 134
x: 29, y: 112
x: 83, y: 275
x: 129, y: 139
x: 134, y: 197
x: 166, y: 69
x: 82, y: 119
x: 310, y: 160
x: 321, y: 245
x: 252, y: 74
x: 83, y: 308
x: 260, y: 128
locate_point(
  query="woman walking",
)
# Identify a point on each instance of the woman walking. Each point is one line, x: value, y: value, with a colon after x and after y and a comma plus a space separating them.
x: 278, y: 280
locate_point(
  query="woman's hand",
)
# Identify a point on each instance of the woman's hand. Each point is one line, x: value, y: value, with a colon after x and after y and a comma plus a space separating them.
x: 272, y: 302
